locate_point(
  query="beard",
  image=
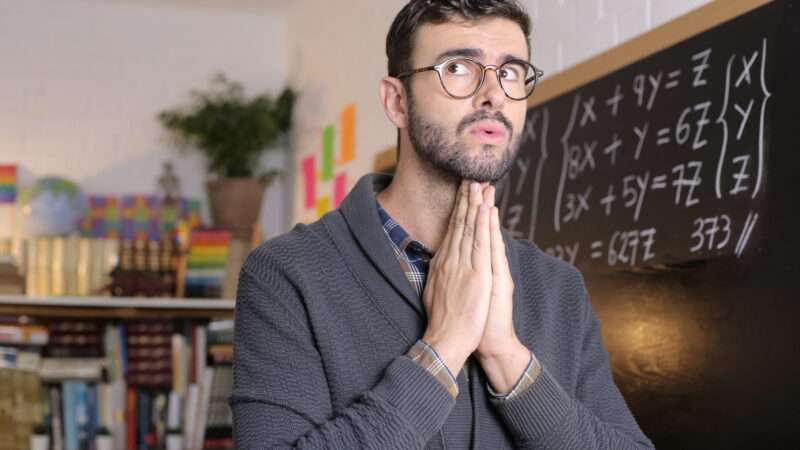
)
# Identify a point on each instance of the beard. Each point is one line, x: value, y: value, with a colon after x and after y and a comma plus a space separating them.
x: 449, y: 153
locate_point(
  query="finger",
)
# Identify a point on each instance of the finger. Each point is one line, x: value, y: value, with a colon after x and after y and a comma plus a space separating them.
x: 459, y: 217
x: 468, y: 237
x: 488, y: 196
x: 499, y: 260
x: 444, y: 246
x: 481, y: 251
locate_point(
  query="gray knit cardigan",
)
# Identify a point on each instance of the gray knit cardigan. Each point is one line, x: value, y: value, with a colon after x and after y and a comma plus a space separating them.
x: 324, y: 316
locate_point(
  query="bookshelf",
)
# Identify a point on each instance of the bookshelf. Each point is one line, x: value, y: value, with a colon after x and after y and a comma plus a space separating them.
x: 117, y: 307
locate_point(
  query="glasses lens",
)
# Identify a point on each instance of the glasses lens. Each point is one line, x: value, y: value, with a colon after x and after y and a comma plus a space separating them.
x: 518, y: 79
x: 460, y: 77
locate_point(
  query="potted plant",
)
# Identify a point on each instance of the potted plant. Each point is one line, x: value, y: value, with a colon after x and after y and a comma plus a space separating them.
x: 232, y: 132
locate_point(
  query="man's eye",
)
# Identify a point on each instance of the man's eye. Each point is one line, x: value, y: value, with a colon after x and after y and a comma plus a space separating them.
x: 510, y: 73
x: 457, y: 69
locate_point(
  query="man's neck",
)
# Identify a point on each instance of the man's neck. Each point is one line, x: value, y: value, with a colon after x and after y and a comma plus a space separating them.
x: 420, y: 199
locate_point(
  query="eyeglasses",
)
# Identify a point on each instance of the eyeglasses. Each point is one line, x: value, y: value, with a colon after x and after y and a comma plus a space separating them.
x: 463, y: 77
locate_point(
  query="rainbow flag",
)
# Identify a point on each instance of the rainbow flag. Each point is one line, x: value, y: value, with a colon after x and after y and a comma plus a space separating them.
x: 8, y: 184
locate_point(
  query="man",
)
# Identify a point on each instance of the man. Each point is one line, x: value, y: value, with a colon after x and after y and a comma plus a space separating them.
x: 407, y: 318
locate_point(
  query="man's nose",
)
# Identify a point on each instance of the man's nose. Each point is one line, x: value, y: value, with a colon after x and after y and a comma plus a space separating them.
x: 491, y: 93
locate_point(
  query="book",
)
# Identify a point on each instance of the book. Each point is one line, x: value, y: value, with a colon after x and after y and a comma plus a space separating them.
x: 143, y: 418
x: 11, y: 280
x: 93, y: 414
x: 74, y: 338
x: 78, y: 395
x: 60, y: 369
x: 21, y: 334
x: 201, y: 416
x: 219, y: 411
x: 70, y: 406
x: 57, y: 439
x: 149, y: 353
x: 131, y: 419
x: 200, y: 352
x: 174, y: 411
x: 221, y: 353
x: 189, y: 415
x: 180, y: 373
x: 20, y: 407
x: 119, y: 428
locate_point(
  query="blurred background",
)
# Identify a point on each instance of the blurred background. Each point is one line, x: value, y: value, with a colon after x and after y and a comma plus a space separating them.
x: 119, y: 257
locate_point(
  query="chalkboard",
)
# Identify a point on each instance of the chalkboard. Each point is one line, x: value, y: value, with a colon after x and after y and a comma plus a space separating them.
x: 660, y: 162
x: 702, y: 339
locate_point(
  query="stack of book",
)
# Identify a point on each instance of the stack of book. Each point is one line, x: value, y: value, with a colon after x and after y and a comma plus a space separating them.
x: 75, y: 393
x: 219, y: 428
x: 21, y: 406
x: 68, y: 266
x: 208, y: 256
x: 149, y: 353
x: 74, y: 339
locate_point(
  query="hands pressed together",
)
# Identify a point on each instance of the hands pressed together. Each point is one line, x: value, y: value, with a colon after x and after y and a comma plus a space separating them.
x: 469, y: 291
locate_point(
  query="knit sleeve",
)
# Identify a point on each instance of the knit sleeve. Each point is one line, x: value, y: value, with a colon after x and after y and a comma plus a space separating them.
x: 280, y: 396
x: 595, y: 417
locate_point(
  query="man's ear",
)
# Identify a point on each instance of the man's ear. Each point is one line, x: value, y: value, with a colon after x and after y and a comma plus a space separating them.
x: 393, y: 99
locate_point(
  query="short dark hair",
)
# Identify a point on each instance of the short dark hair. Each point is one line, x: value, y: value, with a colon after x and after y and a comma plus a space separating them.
x: 400, y: 39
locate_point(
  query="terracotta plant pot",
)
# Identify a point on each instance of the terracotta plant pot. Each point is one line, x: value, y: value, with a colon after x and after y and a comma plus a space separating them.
x: 235, y: 204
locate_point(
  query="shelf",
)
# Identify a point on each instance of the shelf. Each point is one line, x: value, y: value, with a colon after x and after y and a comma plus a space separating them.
x: 116, y: 307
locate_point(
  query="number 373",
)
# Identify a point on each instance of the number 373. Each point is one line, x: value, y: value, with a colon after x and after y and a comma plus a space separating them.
x: 706, y: 231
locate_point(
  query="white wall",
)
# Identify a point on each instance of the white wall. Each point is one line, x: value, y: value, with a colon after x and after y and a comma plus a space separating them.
x: 81, y: 82
x: 567, y: 32
x: 337, y: 56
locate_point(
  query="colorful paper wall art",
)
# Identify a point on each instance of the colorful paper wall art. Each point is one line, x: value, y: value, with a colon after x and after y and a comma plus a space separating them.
x: 324, y: 174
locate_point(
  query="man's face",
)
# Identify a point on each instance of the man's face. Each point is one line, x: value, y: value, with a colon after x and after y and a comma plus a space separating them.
x: 476, y: 138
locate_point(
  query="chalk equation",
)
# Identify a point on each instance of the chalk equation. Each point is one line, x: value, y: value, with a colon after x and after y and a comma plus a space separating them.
x: 662, y: 161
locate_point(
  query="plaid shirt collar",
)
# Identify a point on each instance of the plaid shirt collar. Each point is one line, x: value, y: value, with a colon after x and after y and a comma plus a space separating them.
x: 412, y: 255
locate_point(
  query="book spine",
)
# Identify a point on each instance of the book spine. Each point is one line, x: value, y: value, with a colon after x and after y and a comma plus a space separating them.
x: 144, y: 406
x: 71, y: 255
x: 202, y: 410
x: 58, y: 418
x: 82, y: 414
x: 93, y: 411
x: 119, y: 404
x: 57, y: 287
x: 189, y: 414
x: 131, y: 419
x: 84, y: 267
x: 70, y: 419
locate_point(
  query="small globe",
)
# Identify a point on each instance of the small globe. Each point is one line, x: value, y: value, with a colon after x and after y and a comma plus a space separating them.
x: 52, y: 206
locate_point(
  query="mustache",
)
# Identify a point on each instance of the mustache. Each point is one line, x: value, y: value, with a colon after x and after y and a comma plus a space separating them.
x: 483, y: 115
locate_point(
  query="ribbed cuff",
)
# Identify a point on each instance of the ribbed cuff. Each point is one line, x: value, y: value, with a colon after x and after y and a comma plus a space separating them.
x: 422, y: 400
x: 534, y: 412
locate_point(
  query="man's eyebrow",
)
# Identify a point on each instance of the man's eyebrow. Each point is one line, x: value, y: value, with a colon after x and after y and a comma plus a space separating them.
x: 468, y: 52
x: 509, y: 57
x: 474, y: 53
